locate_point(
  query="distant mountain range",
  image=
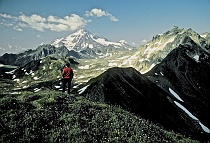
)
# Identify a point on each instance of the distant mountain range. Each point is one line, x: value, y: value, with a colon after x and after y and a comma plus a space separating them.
x: 41, y: 52
x: 165, y: 81
x: 85, y: 45
x: 81, y: 44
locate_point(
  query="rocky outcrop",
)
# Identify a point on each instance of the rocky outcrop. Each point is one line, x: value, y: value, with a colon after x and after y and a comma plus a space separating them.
x: 154, y: 51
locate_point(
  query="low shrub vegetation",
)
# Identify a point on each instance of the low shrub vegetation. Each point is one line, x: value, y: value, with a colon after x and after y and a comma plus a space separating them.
x: 50, y: 116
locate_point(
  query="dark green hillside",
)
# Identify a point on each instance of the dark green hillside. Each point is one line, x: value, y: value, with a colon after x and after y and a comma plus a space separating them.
x: 44, y: 73
x: 6, y: 86
x: 50, y: 116
x: 134, y: 92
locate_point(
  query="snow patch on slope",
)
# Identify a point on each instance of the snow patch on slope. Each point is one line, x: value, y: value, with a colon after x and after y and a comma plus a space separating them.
x: 175, y: 95
x: 158, y: 46
x: 83, y: 89
x: 206, y: 129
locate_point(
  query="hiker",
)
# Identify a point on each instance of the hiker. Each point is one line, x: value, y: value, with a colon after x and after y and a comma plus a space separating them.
x: 67, y: 77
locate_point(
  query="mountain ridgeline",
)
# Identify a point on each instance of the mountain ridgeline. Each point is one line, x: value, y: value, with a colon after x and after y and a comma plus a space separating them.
x: 154, y: 51
x: 80, y: 45
x: 165, y: 81
x: 175, y: 93
x: 41, y: 52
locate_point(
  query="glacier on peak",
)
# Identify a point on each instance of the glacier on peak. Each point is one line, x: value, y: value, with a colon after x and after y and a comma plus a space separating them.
x: 83, y: 39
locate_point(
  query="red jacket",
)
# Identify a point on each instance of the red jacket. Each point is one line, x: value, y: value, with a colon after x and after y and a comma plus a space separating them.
x: 67, y: 72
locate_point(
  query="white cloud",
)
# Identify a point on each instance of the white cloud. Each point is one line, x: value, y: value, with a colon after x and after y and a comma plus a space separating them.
x: 52, y: 18
x: 8, y: 24
x: 22, y: 25
x: 99, y: 13
x: 56, y: 27
x: 73, y: 21
x: 17, y: 28
x: 113, y: 18
x: 96, y: 12
x: 5, y: 16
x: 53, y: 23
x: 37, y: 22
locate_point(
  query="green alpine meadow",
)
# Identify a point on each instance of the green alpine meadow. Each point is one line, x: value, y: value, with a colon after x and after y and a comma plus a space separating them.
x: 52, y: 116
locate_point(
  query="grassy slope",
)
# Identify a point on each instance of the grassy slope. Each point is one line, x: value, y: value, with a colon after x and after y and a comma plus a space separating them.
x: 50, y: 116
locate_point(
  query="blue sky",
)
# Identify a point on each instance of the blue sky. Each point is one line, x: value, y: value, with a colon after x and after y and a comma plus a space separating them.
x: 25, y: 24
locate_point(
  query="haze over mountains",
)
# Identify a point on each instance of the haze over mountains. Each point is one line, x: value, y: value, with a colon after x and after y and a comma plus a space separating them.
x: 167, y: 81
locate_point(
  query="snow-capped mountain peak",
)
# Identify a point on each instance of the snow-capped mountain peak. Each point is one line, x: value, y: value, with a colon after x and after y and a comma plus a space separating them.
x: 83, y: 39
x: 204, y: 35
x: 123, y: 41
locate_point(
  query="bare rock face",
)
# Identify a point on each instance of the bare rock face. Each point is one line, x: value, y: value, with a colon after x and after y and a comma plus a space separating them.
x: 154, y: 51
